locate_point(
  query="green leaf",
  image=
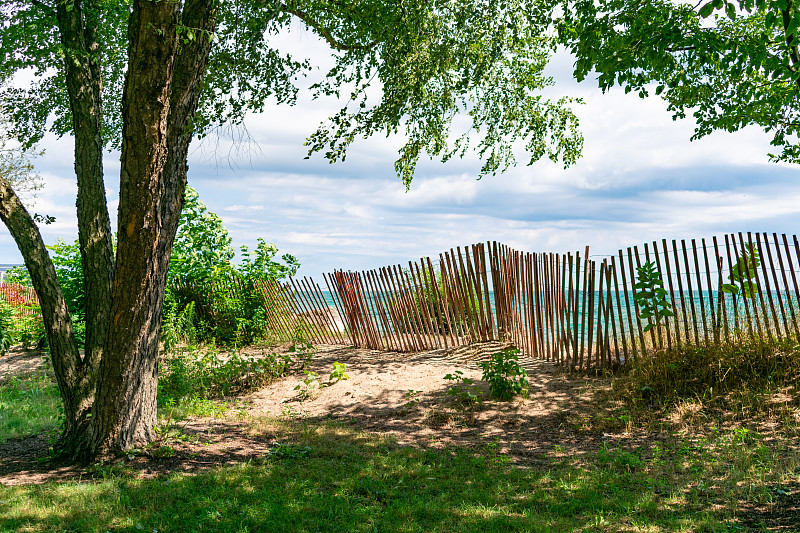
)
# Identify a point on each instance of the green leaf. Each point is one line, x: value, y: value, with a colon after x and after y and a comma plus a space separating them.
x: 729, y: 288
x: 706, y: 10
x: 771, y: 19
x: 730, y: 10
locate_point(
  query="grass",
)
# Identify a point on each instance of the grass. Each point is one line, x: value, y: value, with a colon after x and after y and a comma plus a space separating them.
x: 689, y: 388
x: 708, y: 470
x: 28, y: 405
x: 327, y: 477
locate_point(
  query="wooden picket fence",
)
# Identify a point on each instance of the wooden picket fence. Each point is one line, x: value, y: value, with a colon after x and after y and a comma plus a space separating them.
x: 574, y: 309
x: 24, y: 297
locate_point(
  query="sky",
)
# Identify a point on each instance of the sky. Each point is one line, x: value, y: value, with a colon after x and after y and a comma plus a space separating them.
x: 639, y: 179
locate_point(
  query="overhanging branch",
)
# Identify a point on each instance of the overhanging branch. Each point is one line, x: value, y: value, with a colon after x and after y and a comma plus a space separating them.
x: 326, y: 33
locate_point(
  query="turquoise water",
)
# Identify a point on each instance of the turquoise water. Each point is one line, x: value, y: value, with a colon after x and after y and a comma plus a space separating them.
x: 702, y: 307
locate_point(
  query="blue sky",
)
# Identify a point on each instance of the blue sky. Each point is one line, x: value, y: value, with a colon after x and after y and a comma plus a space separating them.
x: 640, y: 178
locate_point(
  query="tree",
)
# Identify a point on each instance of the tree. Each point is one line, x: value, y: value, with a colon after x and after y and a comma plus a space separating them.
x: 729, y: 64
x: 203, y: 248
x: 149, y: 76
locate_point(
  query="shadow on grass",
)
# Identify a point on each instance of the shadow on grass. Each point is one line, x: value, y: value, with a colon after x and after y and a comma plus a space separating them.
x: 329, y: 478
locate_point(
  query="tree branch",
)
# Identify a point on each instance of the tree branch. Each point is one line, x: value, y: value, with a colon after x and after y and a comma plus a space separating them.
x: 786, y: 15
x: 326, y: 33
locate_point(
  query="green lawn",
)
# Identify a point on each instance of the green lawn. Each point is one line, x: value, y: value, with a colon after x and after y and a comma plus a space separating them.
x: 28, y: 405
x: 328, y: 477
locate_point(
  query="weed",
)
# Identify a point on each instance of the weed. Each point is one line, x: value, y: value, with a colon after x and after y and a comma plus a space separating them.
x: 163, y: 452
x: 464, y: 390
x: 280, y: 451
x: 412, y: 398
x: 290, y: 412
x: 339, y: 373
x: 506, y: 378
x: 108, y: 471
x: 650, y: 296
x: 211, y: 376
x: 6, y: 326
x: 302, y: 351
x: 743, y: 275
x: 308, y: 386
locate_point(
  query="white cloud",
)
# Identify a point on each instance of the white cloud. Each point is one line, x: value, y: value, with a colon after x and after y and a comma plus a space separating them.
x: 243, y: 208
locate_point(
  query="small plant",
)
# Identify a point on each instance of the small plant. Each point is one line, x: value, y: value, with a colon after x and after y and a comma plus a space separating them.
x: 302, y: 351
x: 189, y: 376
x: 338, y: 374
x: 463, y: 389
x: 308, y: 385
x: 289, y: 412
x: 6, y: 327
x: 412, y: 398
x: 506, y: 378
x: 743, y: 274
x: 650, y: 296
x: 288, y: 451
x: 163, y: 452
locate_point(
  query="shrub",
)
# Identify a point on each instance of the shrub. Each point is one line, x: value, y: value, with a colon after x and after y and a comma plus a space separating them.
x: 226, y: 304
x: 690, y: 372
x: 185, y: 375
x: 506, y: 378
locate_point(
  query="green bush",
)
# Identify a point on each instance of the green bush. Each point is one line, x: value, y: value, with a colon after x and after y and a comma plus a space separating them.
x: 506, y: 378
x: 210, y: 298
x: 210, y: 375
x: 21, y: 324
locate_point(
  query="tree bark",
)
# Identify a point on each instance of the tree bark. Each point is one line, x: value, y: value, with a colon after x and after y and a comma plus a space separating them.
x: 161, y: 92
x: 84, y: 87
x: 71, y: 375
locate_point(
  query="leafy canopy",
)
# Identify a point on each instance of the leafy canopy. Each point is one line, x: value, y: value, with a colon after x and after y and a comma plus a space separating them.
x: 432, y: 59
x: 729, y: 64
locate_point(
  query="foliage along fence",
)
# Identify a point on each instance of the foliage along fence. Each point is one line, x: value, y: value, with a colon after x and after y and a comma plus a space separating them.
x: 25, y: 298
x: 569, y: 308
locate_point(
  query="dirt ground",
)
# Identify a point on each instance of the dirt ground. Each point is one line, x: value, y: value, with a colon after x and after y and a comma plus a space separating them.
x: 396, y: 394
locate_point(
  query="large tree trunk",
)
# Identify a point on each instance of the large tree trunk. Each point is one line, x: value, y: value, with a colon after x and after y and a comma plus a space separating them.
x: 71, y: 375
x: 84, y: 87
x: 161, y: 92
x: 116, y: 380
x: 78, y: 28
